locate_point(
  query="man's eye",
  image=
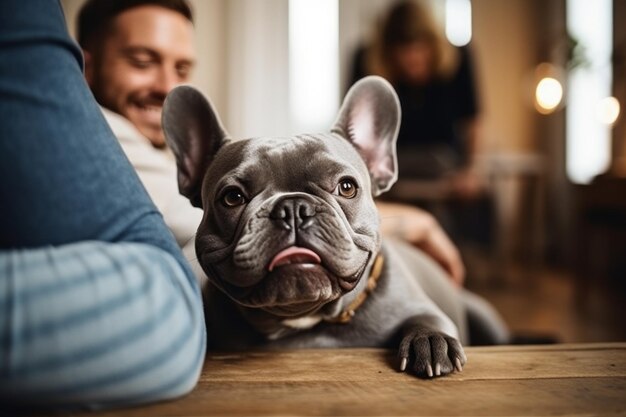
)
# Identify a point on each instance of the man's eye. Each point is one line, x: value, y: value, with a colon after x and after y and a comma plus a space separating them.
x: 140, y: 60
x: 346, y: 188
x: 183, y: 71
x: 233, y: 197
x: 141, y: 64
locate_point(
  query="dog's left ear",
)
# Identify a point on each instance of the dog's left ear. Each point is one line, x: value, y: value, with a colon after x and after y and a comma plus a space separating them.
x: 370, y: 118
x: 194, y: 133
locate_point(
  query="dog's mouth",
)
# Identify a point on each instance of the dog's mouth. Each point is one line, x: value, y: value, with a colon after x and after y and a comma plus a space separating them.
x: 296, y: 284
x: 294, y: 255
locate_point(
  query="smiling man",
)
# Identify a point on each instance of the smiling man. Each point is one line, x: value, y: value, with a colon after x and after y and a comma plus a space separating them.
x: 135, y: 52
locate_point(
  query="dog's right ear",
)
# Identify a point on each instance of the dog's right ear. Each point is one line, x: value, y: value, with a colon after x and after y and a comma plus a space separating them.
x: 194, y: 133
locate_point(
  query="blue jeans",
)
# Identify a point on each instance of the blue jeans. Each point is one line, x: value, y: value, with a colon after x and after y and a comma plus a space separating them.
x: 82, y: 246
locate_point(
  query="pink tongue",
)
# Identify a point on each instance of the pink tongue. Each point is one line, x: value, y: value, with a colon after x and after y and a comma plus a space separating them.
x: 294, y: 255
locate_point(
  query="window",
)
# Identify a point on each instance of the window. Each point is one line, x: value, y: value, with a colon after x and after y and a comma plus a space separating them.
x: 313, y: 64
x: 588, y: 135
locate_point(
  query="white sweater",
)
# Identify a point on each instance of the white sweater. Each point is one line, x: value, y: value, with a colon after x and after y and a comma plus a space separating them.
x: 157, y: 170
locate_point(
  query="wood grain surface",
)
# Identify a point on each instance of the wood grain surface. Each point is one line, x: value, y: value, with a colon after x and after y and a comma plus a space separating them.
x: 582, y: 379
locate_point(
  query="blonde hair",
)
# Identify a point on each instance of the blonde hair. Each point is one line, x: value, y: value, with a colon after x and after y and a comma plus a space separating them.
x: 406, y: 22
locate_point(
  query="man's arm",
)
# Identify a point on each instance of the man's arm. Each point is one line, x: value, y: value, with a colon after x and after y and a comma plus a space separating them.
x: 98, y: 307
x: 422, y: 230
x: 96, y: 324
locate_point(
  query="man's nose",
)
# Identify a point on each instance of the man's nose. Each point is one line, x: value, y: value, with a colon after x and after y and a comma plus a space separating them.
x: 166, y: 80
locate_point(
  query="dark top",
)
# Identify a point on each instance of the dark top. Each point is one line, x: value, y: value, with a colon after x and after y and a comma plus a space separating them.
x: 432, y: 114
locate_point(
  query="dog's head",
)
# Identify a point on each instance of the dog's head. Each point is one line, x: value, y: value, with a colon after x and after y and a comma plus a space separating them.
x: 289, y: 223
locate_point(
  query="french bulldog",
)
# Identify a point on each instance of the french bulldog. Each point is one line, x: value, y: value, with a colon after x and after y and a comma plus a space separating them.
x: 290, y: 237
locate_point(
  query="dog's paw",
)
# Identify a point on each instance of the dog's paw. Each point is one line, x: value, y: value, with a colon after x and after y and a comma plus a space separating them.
x: 430, y: 353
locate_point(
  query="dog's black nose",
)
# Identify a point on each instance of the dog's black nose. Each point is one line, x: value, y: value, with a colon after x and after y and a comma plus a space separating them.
x: 293, y: 213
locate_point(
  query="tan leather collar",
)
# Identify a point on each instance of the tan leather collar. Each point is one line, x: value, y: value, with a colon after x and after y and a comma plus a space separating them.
x: 347, y: 314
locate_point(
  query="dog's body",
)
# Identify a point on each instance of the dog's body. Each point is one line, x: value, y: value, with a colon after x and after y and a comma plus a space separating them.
x: 290, y: 237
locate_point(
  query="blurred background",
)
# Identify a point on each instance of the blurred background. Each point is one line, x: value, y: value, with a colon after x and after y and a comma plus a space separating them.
x: 550, y: 148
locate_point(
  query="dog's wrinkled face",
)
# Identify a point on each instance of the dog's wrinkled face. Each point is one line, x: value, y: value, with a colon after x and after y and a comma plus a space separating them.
x: 290, y: 223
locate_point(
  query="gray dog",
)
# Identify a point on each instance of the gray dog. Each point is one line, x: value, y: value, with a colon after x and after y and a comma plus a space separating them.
x: 290, y: 238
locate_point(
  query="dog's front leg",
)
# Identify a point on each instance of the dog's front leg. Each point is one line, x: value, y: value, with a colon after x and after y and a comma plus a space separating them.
x: 427, y: 350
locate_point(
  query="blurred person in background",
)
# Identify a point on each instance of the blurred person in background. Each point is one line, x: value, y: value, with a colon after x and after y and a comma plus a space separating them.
x: 440, y: 112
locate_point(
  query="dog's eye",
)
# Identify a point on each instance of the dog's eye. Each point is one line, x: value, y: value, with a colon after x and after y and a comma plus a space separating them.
x: 233, y: 197
x: 347, y: 188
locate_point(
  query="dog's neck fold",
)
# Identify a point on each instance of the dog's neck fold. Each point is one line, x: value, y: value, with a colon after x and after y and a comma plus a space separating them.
x: 340, y: 311
x: 350, y: 310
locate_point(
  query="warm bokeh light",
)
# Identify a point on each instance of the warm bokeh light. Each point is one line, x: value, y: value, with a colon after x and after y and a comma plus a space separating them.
x: 608, y: 110
x: 548, y: 95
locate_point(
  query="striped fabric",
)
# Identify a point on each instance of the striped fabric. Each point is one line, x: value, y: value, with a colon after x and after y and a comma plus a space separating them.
x: 97, y: 324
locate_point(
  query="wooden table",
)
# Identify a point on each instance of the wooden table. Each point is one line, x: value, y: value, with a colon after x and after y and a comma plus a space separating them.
x: 583, y: 379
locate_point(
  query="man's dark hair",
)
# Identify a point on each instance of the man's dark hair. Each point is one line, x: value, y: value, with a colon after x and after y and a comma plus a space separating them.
x: 96, y: 15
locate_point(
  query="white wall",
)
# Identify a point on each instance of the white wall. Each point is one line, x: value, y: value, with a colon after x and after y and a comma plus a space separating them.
x: 211, y: 43
x: 505, y: 48
x: 257, y: 68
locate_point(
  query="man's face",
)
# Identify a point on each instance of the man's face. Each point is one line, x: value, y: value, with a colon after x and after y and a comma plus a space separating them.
x: 147, y: 51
